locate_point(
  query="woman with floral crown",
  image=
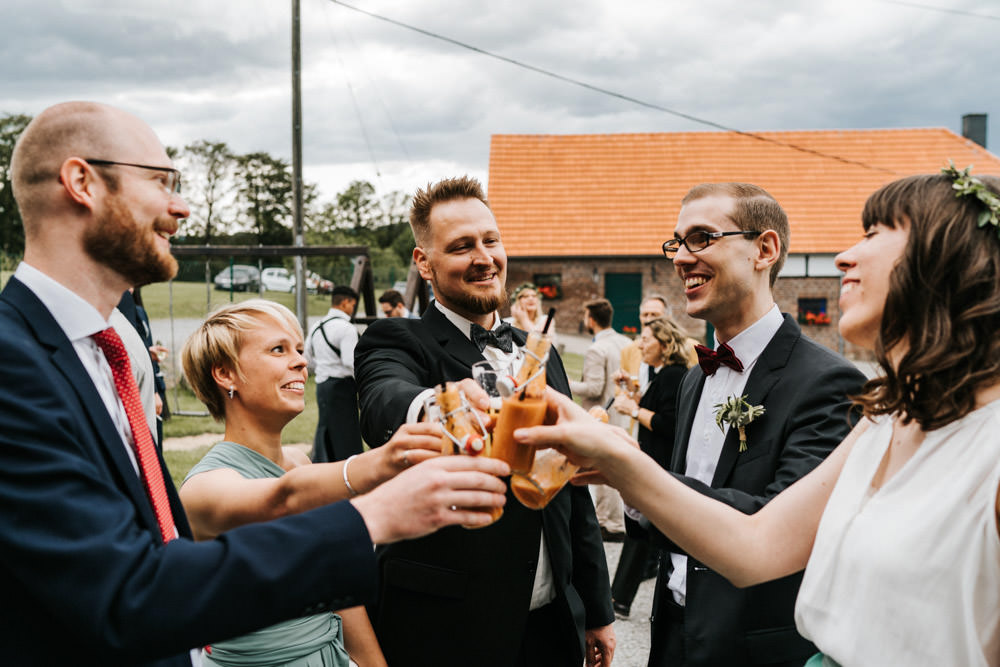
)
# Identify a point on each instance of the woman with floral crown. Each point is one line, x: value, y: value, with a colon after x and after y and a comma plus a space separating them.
x: 898, y: 528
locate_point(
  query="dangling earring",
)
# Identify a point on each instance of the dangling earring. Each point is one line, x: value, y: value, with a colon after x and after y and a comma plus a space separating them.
x: 232, y: 390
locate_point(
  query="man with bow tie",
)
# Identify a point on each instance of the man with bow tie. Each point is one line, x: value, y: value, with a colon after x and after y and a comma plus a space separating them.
x: 531, y: 589
x: 728, y: 247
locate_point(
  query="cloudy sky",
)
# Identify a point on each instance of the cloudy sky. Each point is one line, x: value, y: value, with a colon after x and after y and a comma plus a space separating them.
x: 399, y: 108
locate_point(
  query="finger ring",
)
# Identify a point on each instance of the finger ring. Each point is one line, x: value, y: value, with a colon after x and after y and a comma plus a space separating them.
x: 406, y: 459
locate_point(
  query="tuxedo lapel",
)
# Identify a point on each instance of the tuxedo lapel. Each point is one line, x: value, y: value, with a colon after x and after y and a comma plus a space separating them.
x: 762, y: 378
x: 687, y: 405
x: 64, y: 358
x: 451, y: 340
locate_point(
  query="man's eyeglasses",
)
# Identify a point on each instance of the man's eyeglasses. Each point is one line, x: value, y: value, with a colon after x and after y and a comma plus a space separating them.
x: 698, y: 241
x: 172, y: 177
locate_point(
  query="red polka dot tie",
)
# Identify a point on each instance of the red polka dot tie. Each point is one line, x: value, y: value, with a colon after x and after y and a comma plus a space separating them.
x: 149, y: 464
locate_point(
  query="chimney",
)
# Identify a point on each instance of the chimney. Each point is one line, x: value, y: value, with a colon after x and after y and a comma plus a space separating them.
x: 974, y: 127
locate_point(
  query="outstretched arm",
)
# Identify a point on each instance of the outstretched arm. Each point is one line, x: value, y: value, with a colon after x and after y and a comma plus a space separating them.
x: 219, y: 500
x: 746, y: 549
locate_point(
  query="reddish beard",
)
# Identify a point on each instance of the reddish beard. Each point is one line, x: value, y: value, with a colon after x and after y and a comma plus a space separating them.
x: 120, y: 243
x: 470, y: 303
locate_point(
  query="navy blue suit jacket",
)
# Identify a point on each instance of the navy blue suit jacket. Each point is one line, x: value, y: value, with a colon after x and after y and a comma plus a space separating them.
x: 86, y: 579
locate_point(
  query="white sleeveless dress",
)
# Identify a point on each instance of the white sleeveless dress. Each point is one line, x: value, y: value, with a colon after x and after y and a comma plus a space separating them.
x: 910, y: 574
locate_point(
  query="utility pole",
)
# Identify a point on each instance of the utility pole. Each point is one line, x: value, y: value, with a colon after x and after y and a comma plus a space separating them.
x: 300, y: 274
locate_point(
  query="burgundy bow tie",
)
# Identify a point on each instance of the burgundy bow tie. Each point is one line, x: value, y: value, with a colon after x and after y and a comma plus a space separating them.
x: 710, y: 360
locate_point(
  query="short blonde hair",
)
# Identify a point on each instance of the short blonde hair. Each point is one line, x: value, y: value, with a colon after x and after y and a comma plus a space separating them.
x: 217, y: 343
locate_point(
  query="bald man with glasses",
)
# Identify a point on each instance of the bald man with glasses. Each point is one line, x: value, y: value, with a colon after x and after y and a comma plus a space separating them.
x: 98, y: 566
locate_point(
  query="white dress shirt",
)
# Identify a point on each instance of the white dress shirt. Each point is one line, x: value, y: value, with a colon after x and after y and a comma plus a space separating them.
x: 324, y: 360
x: 543, y: 590
x: 706, y: 439
x: 79, y: 321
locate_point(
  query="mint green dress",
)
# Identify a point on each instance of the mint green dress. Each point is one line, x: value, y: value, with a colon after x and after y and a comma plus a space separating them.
x: 310, y: 641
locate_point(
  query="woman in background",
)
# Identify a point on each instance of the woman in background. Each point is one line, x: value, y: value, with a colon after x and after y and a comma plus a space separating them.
x: 245, y: 363
x: 526, y: 310
x: 664, y: 349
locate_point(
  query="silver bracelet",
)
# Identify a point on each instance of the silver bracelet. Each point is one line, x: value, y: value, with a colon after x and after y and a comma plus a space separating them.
x: 347, y: 482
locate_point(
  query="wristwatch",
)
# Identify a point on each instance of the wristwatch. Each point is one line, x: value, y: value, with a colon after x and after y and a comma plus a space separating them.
x: 635, y: 413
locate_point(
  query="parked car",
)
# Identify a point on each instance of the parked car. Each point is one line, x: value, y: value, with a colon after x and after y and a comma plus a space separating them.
x: 239, y: 278
x: 277, y: 279
x: 318, y: 285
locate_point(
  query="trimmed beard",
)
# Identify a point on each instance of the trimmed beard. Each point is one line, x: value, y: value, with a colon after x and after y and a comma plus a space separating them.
x: 123, y: 245
x: 476, y: 305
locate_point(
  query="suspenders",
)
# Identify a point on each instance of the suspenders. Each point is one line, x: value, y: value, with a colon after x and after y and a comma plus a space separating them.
x: 323, y: 333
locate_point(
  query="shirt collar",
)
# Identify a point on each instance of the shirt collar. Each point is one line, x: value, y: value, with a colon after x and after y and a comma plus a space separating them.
x: 463, y: 325
x: 750, y: 343
x: 75, y: 316
x: 603, y: 333
x: 337, y: 312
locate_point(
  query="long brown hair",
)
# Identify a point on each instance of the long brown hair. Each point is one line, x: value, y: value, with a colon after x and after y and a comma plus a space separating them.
x: 943, y: 305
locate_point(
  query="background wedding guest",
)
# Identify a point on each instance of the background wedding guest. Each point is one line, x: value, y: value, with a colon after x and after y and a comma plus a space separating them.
x: 392, y: 304
x: 526, y: 310
x: 654, y: 408
x: 533, y: 588
x: 596, y: 387
x: 330, y: 351
x: 97, y: 551
x: 897, y: 529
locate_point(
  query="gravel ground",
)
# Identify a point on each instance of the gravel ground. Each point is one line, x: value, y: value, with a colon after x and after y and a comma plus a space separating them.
x: 632, y: 633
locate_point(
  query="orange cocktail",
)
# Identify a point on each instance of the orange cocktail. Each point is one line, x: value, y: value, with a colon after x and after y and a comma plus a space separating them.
x: 525, y: 406
x: 514, y: 414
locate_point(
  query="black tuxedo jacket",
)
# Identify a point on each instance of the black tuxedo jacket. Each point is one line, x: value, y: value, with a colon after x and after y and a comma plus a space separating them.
x: 804, y: 388
x: 86, y: 578
x: 460, y: 596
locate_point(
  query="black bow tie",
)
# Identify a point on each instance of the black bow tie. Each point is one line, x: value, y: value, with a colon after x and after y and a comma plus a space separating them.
x: 652, y: 373
x: 500, y: 338
x: 710, y: 360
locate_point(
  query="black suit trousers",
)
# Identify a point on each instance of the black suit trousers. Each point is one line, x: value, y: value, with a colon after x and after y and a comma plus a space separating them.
x: 338, y: 431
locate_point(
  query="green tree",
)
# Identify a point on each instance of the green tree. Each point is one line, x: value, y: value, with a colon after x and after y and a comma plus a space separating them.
x: 11, y: 226
x: 265, y: 197
x: 209, y: 188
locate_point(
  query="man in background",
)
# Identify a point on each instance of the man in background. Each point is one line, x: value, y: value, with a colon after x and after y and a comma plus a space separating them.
x: 392, y: 304
x: 330, y: 351
x: 597, y: 388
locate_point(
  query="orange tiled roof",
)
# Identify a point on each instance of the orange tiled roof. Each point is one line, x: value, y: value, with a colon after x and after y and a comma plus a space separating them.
x: 619, y: 194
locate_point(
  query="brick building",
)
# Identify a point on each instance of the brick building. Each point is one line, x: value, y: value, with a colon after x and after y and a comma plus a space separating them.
x: 584, y: 216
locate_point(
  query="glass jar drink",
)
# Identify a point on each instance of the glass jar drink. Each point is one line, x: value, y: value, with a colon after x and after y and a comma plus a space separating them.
x: 525, y: 406
x: 464, y: 434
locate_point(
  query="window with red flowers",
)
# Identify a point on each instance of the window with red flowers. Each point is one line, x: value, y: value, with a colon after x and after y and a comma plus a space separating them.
x: 812, y: 311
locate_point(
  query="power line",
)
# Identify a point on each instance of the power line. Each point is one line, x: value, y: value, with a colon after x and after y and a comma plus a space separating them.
x: 944, y: 10
x: 611, y: 93
x: 354, y: 102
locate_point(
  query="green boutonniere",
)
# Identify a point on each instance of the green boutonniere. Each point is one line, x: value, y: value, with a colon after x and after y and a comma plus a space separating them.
x: 737, y: 413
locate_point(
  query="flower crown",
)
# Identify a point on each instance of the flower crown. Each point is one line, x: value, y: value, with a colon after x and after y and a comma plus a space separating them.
x: 966, y: 185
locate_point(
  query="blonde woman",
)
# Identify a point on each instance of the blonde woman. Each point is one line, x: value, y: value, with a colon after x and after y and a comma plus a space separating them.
x: 245, y: 363
x: 526, y: 310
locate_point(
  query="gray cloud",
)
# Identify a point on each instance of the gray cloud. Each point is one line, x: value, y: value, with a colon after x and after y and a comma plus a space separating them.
x: 221, y: 70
